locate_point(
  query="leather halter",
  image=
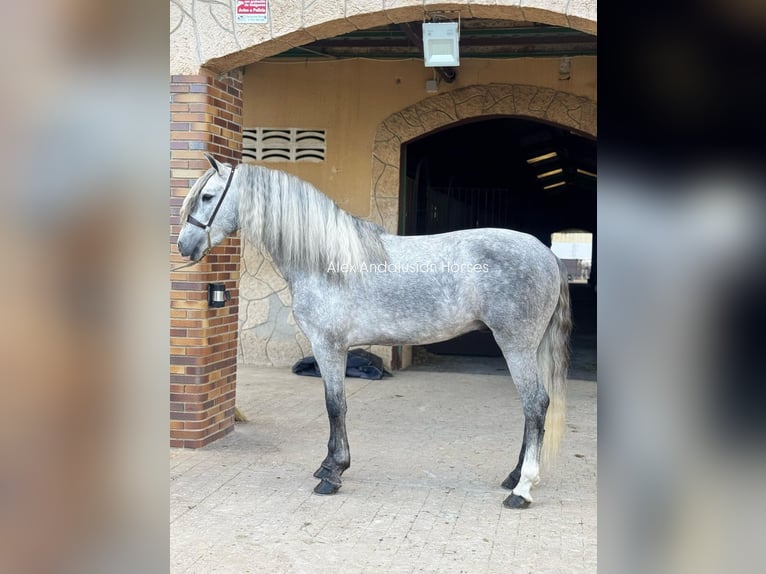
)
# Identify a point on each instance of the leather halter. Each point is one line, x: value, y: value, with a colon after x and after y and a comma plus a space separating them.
x: 207, y: 226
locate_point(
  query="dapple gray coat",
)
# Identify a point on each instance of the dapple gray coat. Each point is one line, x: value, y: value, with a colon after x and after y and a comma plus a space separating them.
x: 353, y: 284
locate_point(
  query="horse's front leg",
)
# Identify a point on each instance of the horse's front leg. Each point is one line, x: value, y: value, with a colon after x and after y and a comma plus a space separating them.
x: 332, y: 363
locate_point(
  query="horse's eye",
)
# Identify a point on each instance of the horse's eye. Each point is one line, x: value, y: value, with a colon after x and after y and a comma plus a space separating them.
x: 206, y: 198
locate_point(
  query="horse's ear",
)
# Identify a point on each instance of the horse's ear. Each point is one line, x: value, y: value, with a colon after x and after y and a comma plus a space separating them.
x: 213, y: 162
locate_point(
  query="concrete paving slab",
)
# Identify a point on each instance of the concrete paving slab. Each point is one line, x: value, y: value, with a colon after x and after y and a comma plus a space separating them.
x: 429, y: 451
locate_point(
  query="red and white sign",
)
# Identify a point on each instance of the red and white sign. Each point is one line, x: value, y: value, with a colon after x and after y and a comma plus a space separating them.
x: 252, y: 11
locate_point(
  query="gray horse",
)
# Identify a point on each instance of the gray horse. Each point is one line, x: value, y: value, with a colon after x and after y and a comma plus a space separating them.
x: 413, y: 290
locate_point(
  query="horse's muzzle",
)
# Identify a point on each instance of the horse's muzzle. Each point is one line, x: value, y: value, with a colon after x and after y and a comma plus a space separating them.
x: 184, y: 250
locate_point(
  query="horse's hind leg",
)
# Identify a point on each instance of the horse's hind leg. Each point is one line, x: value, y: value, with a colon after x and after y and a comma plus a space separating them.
x: 534, y: 400
x: 332, y: 364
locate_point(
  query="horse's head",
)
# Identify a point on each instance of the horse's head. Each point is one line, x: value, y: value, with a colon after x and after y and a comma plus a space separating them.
x: 209, y: 212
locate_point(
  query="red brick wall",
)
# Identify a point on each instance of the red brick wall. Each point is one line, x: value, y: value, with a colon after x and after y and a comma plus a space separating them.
x: 206, y: 115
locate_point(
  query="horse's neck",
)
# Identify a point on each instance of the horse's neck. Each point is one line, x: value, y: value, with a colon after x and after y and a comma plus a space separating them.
x: 298, y: 251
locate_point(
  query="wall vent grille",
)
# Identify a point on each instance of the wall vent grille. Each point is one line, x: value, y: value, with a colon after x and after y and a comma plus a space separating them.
x: 284, y: 144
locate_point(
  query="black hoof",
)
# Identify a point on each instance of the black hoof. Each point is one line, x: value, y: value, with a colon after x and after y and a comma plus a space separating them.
x: 322, y: 472
x: 511, y: 481
x: 326, y: 487
x: 515, y: 501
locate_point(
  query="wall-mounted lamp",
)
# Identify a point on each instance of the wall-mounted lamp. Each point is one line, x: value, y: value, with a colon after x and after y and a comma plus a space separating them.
x: 440, y: 44
x: 217, y: 295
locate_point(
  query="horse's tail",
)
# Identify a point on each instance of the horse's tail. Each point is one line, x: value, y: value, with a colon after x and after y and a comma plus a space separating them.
x: 552, y: 363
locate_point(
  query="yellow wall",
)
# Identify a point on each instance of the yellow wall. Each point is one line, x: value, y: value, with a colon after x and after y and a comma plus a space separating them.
x: 350, y: 98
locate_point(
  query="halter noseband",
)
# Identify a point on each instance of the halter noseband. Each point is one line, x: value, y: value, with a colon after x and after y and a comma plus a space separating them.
x: 207, y: 226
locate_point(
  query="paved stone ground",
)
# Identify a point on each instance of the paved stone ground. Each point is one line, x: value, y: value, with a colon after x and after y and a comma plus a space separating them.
x: 429, y: 451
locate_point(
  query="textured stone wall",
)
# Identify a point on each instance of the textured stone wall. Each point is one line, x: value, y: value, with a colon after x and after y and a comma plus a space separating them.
x: 203, y: 33
x: 268, y: 334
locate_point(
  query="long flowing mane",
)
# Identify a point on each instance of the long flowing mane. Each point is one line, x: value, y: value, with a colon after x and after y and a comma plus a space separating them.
x: 300, y: 227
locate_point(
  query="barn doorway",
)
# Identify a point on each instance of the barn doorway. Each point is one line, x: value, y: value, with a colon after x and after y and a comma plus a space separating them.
x: 574, y: 247
x: 503, y: 172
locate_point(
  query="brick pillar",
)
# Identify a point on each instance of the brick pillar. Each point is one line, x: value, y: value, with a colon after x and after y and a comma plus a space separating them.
x: 206, y: 115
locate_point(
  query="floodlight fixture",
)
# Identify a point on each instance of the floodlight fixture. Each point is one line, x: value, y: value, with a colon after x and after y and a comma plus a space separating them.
x: 440, y: 44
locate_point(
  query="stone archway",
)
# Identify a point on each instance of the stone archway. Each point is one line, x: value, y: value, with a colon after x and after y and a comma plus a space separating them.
x: 205, y: 35
x: 575, y: 112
